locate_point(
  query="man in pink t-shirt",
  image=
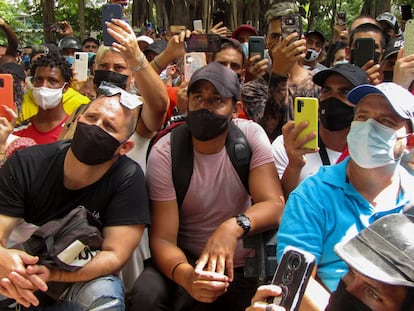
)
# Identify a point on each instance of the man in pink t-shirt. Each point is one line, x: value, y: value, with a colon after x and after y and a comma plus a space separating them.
x: 197, y: 247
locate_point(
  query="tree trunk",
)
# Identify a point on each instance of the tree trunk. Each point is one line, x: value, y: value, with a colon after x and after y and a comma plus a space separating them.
x: 375, y: 7
x: 48, y: 18
x: 81, y: 4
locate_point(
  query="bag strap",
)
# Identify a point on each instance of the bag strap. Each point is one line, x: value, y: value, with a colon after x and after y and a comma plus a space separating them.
x: 323, y: 153
x: 182, y: 157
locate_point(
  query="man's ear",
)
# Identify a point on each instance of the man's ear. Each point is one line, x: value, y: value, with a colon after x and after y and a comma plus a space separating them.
x: 237, y: 109
x: 126, y: 146
x: 348, y: 53
x: 66, y: 87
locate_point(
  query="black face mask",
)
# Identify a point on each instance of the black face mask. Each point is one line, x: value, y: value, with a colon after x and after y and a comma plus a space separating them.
x: 91, y: 145
x: 342, y: 300
x: 335, y: 115
x: 113, y: 77
x: 205, y: 125
x: 388, y: 76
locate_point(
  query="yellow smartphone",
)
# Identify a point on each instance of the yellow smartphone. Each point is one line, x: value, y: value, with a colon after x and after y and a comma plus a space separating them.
x: 306, y: 109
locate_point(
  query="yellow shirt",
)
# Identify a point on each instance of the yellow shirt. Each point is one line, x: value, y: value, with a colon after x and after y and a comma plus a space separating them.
x: 71, y: 99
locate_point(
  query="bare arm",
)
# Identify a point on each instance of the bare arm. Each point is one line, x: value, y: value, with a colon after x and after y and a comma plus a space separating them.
x: 12, y: 41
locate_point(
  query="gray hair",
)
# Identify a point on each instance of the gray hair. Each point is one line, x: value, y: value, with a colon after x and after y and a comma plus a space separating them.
x: 280, y: 9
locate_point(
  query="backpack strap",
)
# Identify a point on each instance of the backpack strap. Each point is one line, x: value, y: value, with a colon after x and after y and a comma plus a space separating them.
x: 240, y: 153
x: 182, y: 160
x: 182, y: 157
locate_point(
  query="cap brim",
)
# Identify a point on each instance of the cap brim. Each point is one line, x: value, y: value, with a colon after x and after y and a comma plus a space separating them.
x: 367, y: 262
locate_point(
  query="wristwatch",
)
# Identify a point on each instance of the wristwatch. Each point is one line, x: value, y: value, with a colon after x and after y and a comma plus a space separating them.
x: 244, y: 222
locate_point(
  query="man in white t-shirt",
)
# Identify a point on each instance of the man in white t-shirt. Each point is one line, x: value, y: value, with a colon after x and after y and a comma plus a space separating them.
x: 294, y: 162
x: 197, y: 246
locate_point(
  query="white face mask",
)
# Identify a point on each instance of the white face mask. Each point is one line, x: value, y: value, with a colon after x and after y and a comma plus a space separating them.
x: 312, y: 55
x: 371, y: 144
x: 47, y: 98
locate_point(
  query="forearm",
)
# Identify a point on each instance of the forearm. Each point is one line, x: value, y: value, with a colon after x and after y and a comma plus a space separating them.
x: 265, y: 215
x: 12, y: 41
x: 290, y: 179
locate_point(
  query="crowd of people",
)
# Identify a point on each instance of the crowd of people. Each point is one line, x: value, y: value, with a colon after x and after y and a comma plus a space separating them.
x: 178, y: 170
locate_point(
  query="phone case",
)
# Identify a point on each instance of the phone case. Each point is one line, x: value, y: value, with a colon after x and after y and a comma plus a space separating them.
x: 109, y: 11
x: 292, y: 23
x: 193, y: 61
x: 203, y: 43
x: 81, y: 66
x: 364, y: 51
x: 306, y: 109
x: 409, y: 38
x: 256, y: 46
x: 6, y: 94
x: 292, y: 275
x: 406, y: 12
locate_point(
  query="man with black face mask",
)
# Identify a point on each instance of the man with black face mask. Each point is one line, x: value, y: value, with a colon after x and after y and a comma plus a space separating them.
x: 49, y: 181
x: 381, y: 270
x: 293, y: 161
x: 197, y: 246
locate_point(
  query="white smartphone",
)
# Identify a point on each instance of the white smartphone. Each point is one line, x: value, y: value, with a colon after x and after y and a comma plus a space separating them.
x: 193, y: 61
x: 409, y: 38
x: 198, y: 24
x: 81, y: 66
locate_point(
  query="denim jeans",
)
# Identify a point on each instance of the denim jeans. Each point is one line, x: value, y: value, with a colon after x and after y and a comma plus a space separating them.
x: 103, y: 293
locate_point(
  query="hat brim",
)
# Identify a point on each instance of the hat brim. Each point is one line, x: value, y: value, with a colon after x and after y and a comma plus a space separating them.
x: 367, y: 262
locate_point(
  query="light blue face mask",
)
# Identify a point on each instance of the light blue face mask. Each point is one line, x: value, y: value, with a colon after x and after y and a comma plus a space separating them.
x: 371, y: 144
x: 245, y: 48
x: 70, y: 59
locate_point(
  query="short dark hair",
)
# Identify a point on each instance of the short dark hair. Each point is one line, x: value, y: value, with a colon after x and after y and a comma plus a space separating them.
x: 53, y: 61
x: 90, y: 39
x: 367, y: 27
x: 230, y: 44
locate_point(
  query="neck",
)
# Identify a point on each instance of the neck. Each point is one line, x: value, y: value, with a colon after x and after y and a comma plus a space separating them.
x: 334, y: 140
x: 211, y: 146
x: 78, y: 175
x: 50, y: 115
x: 297, y: 73
x: 374, y: 182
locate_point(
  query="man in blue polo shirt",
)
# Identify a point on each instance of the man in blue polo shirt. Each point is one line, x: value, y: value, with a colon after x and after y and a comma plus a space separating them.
x: 340, y: 200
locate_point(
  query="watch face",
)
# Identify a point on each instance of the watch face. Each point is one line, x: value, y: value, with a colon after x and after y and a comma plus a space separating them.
x: 244, y: 222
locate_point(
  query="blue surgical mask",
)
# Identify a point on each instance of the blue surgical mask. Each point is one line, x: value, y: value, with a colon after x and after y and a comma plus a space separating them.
x: 245, y: 48
x: 371, y: 144
x: 70, y: 59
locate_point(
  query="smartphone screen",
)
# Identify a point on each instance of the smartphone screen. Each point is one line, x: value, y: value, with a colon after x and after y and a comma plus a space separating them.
x: 256, y: 46
x: 363, y: 51
x: 292, y: 23
x: 203, y: 43
x: 6, y: 94
x: 109, y: 11
x: 306, y: 109
x: 292, y: 275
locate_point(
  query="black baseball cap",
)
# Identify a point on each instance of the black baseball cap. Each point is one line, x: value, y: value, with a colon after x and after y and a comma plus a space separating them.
x: 355, y: 75
x: 316, y: 32
x: 224, y: 80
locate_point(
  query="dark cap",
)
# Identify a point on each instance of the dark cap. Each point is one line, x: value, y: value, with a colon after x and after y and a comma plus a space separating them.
x: 224, y: 80
x: 400, y: 99
x: 384, y: 251
x: 317, y: 33
x: 244, y: 27
x: 354, y: 74
x: 157, y: 47
x: 392, y: 47
x: 14, y: 69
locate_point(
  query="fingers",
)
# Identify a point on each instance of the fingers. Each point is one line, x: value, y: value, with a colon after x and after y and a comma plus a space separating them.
x: 24, y: 297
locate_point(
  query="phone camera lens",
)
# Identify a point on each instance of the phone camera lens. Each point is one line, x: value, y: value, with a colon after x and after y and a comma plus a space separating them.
x: 294, y: 261
x: 287, y: 277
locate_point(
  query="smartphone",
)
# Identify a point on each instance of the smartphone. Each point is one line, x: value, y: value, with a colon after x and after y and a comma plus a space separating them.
x: 218, y: 17
x: 406, y: 12
x: 6, y: 94
x: 409, y: 37
x: 81, y: 66
x: 341, y: 18
x: 306, y: 109
x: 198, y: 24
x: 292, y: 275
x: 364, y: 50
x: 109, y: 11
x: 176, y: 29
x: 256, y: 46
x: 292, y: 23
x: 205, y: 42
x: 150, y: 25
x: 193, y: 61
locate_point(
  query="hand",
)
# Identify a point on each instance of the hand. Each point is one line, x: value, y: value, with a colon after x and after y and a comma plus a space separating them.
x: 175, y: 46
x: 374, y: 73
x: 286, y: 54
x: 208, y: 286
x: 2, y: 22
x: 182, y: 98
x: 6, y: 126
x: 257, y: 67
x: 404, y: 70
x: 65, y: 28
x: 294, y: 145
x: 340, y: 33
x: 218, y: 253
x: 259, y: 299
x: 221, y: 30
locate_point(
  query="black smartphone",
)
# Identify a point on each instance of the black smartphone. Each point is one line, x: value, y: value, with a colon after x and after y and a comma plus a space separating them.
x: 341, y: 18
x: 363, y: 51
x: 292, y: 275
x: 256, y: 46
x: 109, y: 11
x: 218, y: 17
x: 292, y: 23
x: 406, y: 12
x: 205, y: 42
